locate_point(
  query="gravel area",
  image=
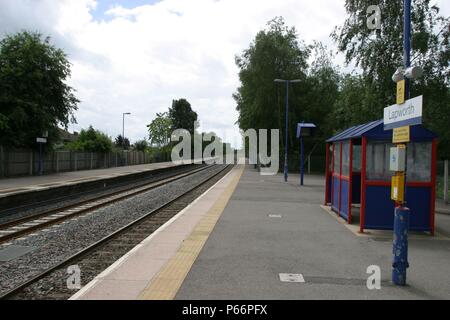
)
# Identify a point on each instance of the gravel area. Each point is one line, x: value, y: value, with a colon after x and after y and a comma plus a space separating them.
x: 10, y: 215
x: 61, y: 241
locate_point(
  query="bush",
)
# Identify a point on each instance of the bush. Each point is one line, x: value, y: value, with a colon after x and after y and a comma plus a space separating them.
x: 140, y: 145
x: 92, y: 140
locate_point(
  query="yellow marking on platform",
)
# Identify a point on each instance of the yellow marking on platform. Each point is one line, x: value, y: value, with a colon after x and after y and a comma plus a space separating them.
x: 382, y: 234
x: 165, y: 285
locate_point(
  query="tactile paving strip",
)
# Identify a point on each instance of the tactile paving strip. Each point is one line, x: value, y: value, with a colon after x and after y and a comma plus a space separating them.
x: 165, y: 285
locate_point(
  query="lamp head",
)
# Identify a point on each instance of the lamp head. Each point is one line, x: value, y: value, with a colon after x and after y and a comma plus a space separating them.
x: 398, y: 75
x: 413, y: 72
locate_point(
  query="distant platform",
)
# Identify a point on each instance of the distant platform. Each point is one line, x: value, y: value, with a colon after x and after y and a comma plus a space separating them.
x: 257, y: 237
x: 20, y: 192
x: 9, y: 186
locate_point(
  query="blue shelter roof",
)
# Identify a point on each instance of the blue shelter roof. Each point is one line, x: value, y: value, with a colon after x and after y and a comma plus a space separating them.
x: 375, y: 130
x: 302, y: 125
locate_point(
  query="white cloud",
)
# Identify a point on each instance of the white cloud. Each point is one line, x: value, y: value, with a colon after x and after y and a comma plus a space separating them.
x: 137, y: 60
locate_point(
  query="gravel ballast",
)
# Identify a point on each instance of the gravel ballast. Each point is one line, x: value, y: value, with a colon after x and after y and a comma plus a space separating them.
x: 60, y: 241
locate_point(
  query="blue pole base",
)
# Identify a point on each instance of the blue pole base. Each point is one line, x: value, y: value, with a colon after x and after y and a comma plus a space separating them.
x: 400, y: 246
x: 285, y: 171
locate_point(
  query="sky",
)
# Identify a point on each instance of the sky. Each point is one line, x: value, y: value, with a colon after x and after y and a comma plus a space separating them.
x: 138, y: 55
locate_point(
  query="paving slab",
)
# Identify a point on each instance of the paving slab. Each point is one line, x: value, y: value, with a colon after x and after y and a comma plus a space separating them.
x: 142, y: 272
x: 248, y: 250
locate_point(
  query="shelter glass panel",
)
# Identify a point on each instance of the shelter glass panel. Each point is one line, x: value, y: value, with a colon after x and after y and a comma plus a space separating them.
x: 356, y: 162
x: 419, y: 161
x: 336, y: 158
x: 330, y: 163
x: 378, y: 161
x: 346, y: 158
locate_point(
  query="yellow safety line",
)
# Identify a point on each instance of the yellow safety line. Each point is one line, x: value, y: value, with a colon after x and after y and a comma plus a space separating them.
x: 165, y: 285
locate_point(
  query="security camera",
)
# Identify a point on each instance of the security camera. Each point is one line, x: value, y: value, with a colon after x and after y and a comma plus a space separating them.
x: 398, y: 75
x: 413, y: 72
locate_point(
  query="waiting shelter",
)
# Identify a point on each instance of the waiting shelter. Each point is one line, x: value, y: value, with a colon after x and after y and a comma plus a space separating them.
x: 357, y: 172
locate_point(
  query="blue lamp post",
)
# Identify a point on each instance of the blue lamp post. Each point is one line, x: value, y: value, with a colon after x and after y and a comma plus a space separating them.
x: 304, y: 130
x: 286, y: 124
x: 402, y: 213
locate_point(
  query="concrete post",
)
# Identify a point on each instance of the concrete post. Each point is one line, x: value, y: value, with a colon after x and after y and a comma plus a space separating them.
x: 446, y: 181
x: 92, y: 159
x: 75, y: 160
x: 56, y: 161
x: 116, y: 157
x: 31, y: 163
x: 302, y: 165
x: 309, y: 164
x: 2, y: 162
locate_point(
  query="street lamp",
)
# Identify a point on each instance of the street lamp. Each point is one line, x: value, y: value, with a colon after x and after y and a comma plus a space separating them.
x: 286, y: 129
x: 123, y: 128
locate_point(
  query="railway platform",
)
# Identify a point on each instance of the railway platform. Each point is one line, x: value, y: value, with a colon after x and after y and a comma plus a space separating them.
x: 20, y: 191
x: 256, y: 237
x: 9, y: 186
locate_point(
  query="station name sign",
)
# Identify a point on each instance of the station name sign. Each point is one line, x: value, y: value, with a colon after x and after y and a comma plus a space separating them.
x: 407, y: 114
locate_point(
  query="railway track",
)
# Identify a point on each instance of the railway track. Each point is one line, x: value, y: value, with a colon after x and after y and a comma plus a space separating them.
x: 20, y: 227
x: 52, y: 283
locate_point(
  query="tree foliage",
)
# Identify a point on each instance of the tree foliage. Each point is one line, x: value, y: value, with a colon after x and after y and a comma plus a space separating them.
x: 141, y: 145
x: 379, y: 53
x: 92, y: 140
x: 121, y: 142
x: 182, y: 116
x: 34, y: 96
x: 159, y: 129
x: 277, y: 52
x: 274, y: 53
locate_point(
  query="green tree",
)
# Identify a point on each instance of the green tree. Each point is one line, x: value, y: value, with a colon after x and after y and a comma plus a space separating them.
x: 34, y: 96
x: 274, y: 53
x: 122, y: 143
x: 379, y: 53
x: 182, y: 116
x: 277, y: 52
x: 320, y: 93
x: 141, y: 145
x: 92, y: 140
x: 159, y: 129
x: 347, y: 105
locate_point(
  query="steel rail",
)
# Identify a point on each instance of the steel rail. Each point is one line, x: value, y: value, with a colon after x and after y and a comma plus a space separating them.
x: 102, y: 241
x: 102, y: 201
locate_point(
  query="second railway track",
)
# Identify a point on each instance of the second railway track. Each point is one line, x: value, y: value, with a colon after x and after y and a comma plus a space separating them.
x: 19, y: 227
x: 51, y: 283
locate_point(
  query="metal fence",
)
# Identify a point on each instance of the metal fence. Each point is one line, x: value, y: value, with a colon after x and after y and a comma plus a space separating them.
x: 26, y: 162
